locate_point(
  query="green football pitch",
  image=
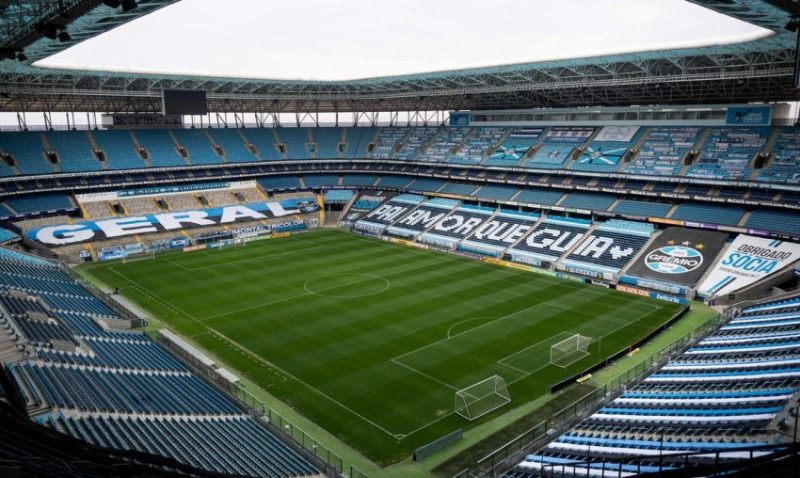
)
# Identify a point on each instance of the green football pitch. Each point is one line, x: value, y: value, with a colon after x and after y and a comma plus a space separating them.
x: 371, y: 340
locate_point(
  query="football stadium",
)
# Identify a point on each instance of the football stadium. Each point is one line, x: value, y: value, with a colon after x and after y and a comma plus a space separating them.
x: 346, y: 262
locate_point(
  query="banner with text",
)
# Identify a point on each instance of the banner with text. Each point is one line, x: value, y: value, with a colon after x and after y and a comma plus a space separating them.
x: 86, y: 231
x: 748, y: 260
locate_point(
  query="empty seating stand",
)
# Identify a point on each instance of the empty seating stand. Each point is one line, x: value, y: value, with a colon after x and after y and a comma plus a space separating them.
x: 40, y: 203
x: 727, y: 152
x: 27, y: 149
x: 75, y: 152
x: 119, y: 149
x: 198, y: 146
x: 663, y: 151
x: 118, y: 389
x: 708, y: 213
x: 714, y: 400
x: 515, y: 147
x: 233, y: 145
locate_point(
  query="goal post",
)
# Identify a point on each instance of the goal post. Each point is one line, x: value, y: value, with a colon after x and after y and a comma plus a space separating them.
x: 570, y: 350
x: 481, y: 398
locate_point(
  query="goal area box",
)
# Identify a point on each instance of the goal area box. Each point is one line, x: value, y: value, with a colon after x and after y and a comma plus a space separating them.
x: 570, y: 350
x: 481, y: 398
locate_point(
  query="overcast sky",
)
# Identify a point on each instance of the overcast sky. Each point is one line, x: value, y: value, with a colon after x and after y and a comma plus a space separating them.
x: 348, y: 39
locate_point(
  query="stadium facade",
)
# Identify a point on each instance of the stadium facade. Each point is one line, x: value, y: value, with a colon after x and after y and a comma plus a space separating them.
x: 552, y: 168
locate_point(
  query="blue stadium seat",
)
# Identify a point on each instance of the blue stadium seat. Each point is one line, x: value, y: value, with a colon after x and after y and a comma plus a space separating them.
x: 39, y: 203
x: 327, y: 142
x: 119, y: 149
x: 708, y: 213
x: 264, y: 142
x: 539, y: 196
x: 296, y: 141
x: 160, y: 146
x: 595, y: 201
x: 279, y: 182
x: 515, y: 147
x: 774, y: 220
x: 232, y: 144
x: 27, y: 149
x: 642, y: 208
x: 74, y: 151
x: 727, y: 152
x: 198, y: 145
x: 663, y: 149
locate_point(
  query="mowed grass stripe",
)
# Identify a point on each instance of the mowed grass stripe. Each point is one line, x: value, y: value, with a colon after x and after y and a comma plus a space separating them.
x: 248, y: 305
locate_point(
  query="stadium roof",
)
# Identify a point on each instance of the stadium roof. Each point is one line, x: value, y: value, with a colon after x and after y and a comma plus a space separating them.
x: 757, y: 70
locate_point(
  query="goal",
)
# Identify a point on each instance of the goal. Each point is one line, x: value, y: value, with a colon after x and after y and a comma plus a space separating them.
x: 481, y: 398
x: 570, y: 350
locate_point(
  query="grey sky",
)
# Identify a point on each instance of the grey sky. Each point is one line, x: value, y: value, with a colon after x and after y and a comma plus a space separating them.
x: 346, y: 39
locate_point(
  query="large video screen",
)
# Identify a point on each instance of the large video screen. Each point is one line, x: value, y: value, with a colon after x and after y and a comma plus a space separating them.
x: 184, y: 102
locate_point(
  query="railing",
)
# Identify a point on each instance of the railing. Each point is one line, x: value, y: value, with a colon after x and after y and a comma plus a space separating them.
x: 782, y: 458
x: 103, y: 297
x: 660, y: 357
x: 349, y: 123
x: 515, y: 450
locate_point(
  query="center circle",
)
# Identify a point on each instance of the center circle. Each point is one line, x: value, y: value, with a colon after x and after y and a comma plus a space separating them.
x: 346, y: 285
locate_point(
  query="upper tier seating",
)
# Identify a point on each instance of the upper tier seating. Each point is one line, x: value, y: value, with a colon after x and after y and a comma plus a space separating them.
x: 358, y: 141
x: 785, y: 163
x: 605, y: 155
x: 232, y: 144
x: 477, y: 145
x: 296, y: 141
x: 28, y: 150
x: 119, y: 149
x: 417, y: 139
x: 74, y: 151
x: 663, y: 150
x: 720, y: 395
x: 727, y: 152
x: 388, y: 139
x: 559, y: 144
x: 198, y: 144
x: 723, y: 152
x: 444, y: 144
x: 515, y: 147
x: 264, y: 142
x: 327, y: 142
x: 160, y: 146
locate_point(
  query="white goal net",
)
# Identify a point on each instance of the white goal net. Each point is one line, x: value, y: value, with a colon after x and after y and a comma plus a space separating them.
x: 481, y: 398
x: 570, y: 350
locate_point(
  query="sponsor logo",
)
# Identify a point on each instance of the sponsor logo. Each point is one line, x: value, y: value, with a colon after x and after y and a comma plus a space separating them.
x: 674, y: 259
x: 633, y: 290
